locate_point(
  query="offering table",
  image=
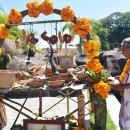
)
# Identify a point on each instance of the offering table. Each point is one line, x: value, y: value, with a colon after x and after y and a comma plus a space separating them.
x: 65, y: 91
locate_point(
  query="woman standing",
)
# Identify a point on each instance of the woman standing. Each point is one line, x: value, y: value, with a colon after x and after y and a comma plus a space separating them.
x: 124, y: 116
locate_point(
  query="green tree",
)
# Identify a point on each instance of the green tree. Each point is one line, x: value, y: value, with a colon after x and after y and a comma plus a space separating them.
x: 118, y: 27
x: 101, y: 32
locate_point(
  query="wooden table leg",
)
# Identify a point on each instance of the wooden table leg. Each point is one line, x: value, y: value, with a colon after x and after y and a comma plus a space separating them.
x: 3, y: 117
x: 40, y: 103
x: 81, y: 112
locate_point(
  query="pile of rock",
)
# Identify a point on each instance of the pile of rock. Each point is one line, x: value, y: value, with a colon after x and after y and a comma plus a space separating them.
x: 112, y: 60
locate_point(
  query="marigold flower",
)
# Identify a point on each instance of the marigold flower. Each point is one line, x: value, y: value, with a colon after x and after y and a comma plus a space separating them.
x: 82, y: 27
x: 4, y: 32
x: 33, y: 9
x: 46, y: 7
x: 102, y: 88
x: 92, y: 54
x: 91, y: 45
x: 94, y: 65
x: 67, y: 14
x: 15, y: 17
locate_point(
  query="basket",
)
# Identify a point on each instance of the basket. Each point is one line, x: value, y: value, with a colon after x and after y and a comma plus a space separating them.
x: 67, y: 77
x: 7, y: 78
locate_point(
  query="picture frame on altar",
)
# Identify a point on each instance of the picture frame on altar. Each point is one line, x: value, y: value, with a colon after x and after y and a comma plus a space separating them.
x: 66, y: 62
x: 43, y: 125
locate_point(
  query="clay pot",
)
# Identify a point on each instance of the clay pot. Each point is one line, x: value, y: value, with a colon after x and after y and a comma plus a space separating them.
x: 56, y: 84
x: 90, y: 80
x: 81, y: 76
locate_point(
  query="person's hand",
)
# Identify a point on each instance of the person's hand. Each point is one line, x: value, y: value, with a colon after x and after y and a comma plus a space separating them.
x: 119, y: 87
x: 117, y: 77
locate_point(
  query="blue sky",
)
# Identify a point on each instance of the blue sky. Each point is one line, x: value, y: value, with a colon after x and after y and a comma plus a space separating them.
x: 91, y: 9
x: 83, y: 8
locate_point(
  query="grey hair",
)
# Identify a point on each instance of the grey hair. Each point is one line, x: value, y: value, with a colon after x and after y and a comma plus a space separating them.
x: 126, y: 41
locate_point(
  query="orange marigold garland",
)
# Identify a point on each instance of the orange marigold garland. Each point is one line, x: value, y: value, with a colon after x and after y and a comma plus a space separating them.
x: 92, y: 54
x: 102, y: 88
x: 125, y: 70
x: 92, y: 48
x: 4, y: 32
x: 67, y: 14
x: 15, y: 17
x: 124, y: 73
x: 94, y: 65
x: 91, y: 45
x: 33, y: 9
x: 82, y: 27
x: 46, y: 7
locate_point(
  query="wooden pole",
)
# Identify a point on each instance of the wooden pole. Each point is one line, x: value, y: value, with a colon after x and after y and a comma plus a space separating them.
x: 81, y: 112
x: 3, y: 117
x: 40, y: 103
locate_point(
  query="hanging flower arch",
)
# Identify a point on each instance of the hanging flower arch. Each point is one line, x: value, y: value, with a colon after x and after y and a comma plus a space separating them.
x: 82, y: 26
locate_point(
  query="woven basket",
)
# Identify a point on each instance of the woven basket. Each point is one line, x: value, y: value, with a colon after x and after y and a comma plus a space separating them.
x: 7, y: 78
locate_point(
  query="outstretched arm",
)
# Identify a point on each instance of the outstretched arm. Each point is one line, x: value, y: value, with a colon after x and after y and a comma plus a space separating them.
x: 121, y: 87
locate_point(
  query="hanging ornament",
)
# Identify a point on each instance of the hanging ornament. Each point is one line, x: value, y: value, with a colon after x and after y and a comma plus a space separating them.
x: 53, y: 39
x: 17, y: 43
x: 44, y: 37
x: 32, y: 39
x: 25, y: 37
x: 67, y: 38
x: 60, y: 37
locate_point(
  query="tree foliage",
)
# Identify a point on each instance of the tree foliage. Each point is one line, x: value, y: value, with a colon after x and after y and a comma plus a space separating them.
x: 3, y: 18
x: 101, y: 32
x: 98, y: 30
x: 118, y: 26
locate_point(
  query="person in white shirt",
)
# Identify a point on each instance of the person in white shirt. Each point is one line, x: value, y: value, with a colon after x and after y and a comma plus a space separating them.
x: 124, y: 115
